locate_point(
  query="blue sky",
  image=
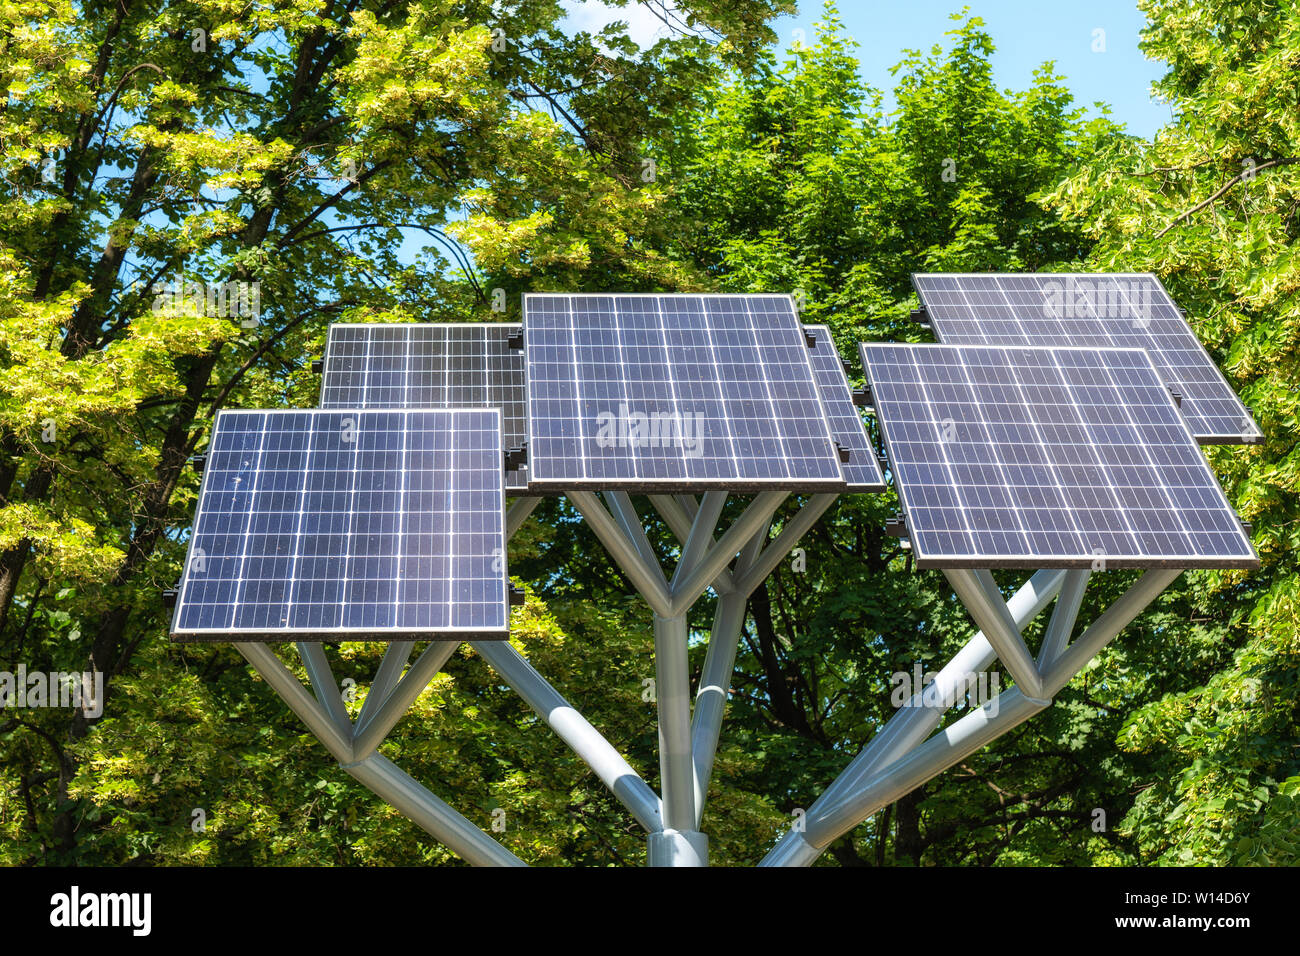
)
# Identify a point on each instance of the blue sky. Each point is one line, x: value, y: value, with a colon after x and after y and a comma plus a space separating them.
x: 1026, y: 33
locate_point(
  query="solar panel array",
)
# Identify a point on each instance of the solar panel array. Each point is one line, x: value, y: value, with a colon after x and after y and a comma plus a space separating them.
x: 1031, y: 442
x: 1102, y: 310
x: 348, y: 524
x: 673, y: 392
x: 1046, y: 457
x: 862, y: 470
x: 465, y: 365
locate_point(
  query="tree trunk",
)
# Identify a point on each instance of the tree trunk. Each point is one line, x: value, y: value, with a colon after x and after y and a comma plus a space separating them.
x: 908, y: 842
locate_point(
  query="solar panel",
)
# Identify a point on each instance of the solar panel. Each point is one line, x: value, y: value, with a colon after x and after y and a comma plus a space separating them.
x: 445, y: 365
x: 673, y: 392
x: 1110, y: 310
x: 1045, y: 458
x: 348, y: 525
x: 862, y: 470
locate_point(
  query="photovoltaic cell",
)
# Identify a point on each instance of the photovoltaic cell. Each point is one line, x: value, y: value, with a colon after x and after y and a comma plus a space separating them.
x: 1102, y: 310
x: 444, y: 365
x: 348, y: 525
x: 862, y: 470
x: 673, y: 392
x: 1046, y: 457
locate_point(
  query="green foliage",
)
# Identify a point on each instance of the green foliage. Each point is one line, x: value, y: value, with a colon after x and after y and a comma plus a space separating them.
x: 300, y: 145
x: 1211, y: 206
x: 293, y: 148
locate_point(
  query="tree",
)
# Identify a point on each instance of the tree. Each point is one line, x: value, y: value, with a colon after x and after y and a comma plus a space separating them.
x: 289, y: 151
x: 1210, y: 204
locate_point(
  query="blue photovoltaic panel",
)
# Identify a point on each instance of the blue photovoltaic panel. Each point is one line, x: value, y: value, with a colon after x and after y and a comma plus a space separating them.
x: 673, y: 392
x: 442, y: 365
x: 862, y: 470
x: 348, y: 525
x: 1103, y: 310
x: 1045, y: 458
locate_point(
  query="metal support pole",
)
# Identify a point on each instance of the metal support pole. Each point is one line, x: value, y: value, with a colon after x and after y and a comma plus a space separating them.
x: 675, y: 515
x: 1064, y: 615
x: 518, y: 512
x: 784, y: 543
x: 711, y: 695
x: 574, y: 729
x: 754, y: 565
x: 323, y: 684
x: 620, y: 505
x: 403, y: 793
x: 396, y: 654
x: 685, y: 591
x: 371, y: 732
x: 914, y: 722
x: 951, y: 745
x: 680, y: 520
x: 700, y: 538
x: 980, y: 595
x: 646, y: 578
x: 672, y: 694
x: 1103, y: 630
x: 715, y: 678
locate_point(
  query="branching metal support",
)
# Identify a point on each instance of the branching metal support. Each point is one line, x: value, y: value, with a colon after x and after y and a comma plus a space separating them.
x: 905, y: 753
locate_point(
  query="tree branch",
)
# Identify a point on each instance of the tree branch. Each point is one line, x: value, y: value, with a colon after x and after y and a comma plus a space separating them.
x: 1289, y: 161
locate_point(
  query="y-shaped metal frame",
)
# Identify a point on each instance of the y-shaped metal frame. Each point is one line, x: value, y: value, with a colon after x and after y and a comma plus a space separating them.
x: 688, y: 743
x: 756, y: 562
x: 391, y: 694
x: 687, y: 746
x: 903, y: 755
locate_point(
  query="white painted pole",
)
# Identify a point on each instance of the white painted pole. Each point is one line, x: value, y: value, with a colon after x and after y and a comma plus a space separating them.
x: 977, y: 591
x: 575, y: 730
x: 1064, y: 616
x: 672, y: 694
x: 913, y: 723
